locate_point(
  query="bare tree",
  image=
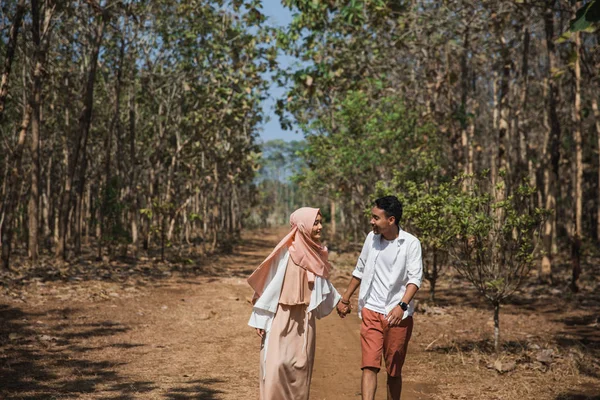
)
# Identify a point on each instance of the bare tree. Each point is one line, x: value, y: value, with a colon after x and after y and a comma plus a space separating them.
x: 10, y: 53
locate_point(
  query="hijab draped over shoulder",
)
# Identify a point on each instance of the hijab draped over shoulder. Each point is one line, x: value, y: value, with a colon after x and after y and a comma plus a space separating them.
x: 305, y: 252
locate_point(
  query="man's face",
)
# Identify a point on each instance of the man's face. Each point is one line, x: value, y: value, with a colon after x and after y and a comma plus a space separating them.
x: 315, y: 233
x: 380, y: 222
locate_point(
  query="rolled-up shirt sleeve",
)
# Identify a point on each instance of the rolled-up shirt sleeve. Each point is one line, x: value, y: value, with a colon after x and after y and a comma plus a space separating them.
x: 362, y: 259
x: 414, y: 264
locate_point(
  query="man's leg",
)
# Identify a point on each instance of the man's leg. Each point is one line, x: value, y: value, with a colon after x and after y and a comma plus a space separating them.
x: 395, y: 346
x: 394, y: 387
x: 371, y: 343
x: 369, y: 383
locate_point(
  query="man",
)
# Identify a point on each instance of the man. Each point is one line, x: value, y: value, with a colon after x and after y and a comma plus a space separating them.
x: 389, y: 272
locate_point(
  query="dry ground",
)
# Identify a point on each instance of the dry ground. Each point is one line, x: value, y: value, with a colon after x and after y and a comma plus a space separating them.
x: 152, y: 330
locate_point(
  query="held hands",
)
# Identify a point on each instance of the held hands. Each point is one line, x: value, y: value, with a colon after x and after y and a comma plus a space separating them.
x: 394, y: 318
x: 260, y: 332
x: 343, y: 308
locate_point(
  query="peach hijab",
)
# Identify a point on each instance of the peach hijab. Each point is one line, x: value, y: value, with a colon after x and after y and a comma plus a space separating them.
x: 305, y: 252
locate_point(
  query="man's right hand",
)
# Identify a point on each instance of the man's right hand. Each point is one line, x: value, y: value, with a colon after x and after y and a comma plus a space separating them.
x: 260, y: 332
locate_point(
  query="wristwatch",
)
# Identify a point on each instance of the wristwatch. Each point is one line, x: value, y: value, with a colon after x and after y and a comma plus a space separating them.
x: 403, y: 306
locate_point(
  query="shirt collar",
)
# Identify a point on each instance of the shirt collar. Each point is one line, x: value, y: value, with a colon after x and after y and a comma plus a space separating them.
x: 396, y: 239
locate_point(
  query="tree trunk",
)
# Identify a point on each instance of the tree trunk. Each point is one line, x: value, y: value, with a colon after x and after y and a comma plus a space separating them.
x: 332, y: 224
x: 232, y: 219
x: 60, y: 232
x: 49, y: 209
x: 497, y: 327
x: 34, y: 193
x: 343, y: 222
x: 133, y: 195
x: 552, y: 151
x: 39, y: 27
x: 79, y: 210
x: 108, y: 149
x: 10, y: 53
x: 186, y: 229
x: 433, y: 277
x: 503, y: 125
x: 12, y: 192
x: 521, y: 131
x: 88, y: 215
x: 465, y: 120
x: 597, y: 124
x: 471, y: 151
x: 85, y: 121
x: 495, y: 123
x: 45, y: 212
x: 163, y: 237
x: 237, y: 210
x: 578, y: 170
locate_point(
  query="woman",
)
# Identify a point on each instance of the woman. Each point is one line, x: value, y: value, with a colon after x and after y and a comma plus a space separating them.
x: 291, y: 289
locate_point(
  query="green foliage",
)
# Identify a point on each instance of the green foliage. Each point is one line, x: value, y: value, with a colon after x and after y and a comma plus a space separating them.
x: 493, y: 240
x: 193, y: 217
x: 364, y: 141
x: 347, y: 97
x: 587, y: 17
x: 338, y: 43
x: 424, y: 192
x: 425, y: 212
x: 115, y: 231
x: 490, y: 241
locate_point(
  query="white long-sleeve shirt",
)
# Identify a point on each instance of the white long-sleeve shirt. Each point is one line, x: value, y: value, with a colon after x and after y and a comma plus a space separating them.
x: 323, y: 297
x: 407, y: 268
x: 323, y: 300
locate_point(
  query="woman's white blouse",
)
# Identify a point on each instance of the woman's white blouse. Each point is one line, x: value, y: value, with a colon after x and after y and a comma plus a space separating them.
x: 323, y: 297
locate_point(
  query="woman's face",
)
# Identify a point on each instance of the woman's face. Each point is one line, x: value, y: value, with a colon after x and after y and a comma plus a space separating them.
x: 315, y: 233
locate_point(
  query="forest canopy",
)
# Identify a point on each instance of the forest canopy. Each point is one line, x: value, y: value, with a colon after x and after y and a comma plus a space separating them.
x: 134, y: 124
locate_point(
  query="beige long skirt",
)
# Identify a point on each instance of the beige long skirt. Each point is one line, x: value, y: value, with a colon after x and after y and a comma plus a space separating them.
x: 290, y: 354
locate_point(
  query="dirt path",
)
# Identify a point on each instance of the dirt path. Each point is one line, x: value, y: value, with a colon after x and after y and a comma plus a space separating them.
x: 180, y: 338
x: 337, y: 363
x: 185, y: 336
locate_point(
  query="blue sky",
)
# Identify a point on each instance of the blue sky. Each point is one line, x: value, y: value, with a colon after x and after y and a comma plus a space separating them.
x: 278, y: 15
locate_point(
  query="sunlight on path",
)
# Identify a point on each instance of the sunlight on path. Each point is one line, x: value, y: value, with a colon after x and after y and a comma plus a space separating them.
x: 337, y: 364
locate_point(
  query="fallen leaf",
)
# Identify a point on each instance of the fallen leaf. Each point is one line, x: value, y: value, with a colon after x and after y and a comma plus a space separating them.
x: 205, y: 316
x: 545, y: 356
x: 47, y: 338
x: 502, y: 367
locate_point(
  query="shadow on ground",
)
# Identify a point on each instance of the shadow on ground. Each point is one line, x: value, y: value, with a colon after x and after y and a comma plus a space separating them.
x: 484, y: 346
x: 582, y: 334
x: 197, y: 390
x: 41, y: 354
x: 578, y: 396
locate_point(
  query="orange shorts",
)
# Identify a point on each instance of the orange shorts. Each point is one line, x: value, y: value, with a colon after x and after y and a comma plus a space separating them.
x: 376, y: 337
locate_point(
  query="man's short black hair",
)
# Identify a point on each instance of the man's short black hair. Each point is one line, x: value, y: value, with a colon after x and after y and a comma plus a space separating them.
x: 391, y: 206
